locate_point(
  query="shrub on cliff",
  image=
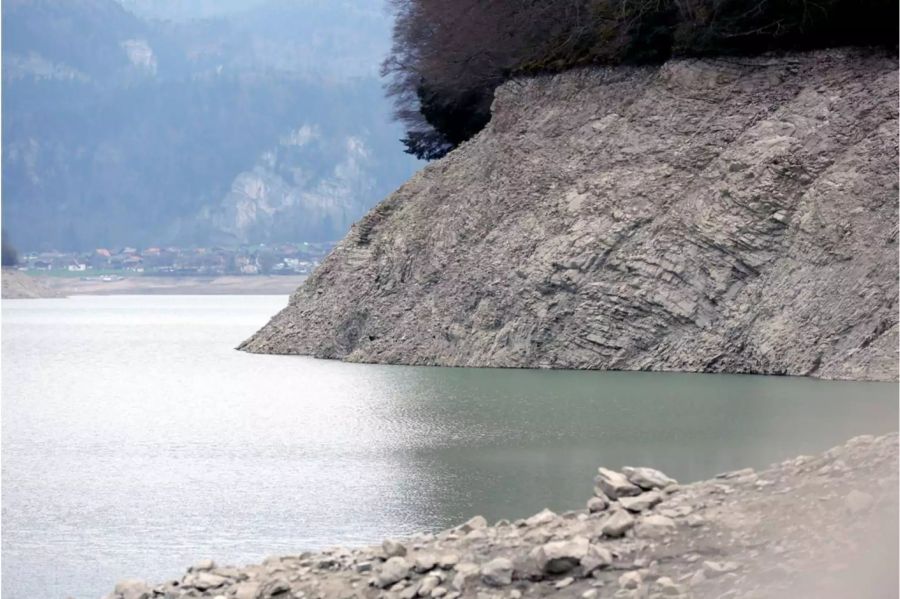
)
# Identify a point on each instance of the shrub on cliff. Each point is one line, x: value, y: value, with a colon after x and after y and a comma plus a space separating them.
x: 448, y: 57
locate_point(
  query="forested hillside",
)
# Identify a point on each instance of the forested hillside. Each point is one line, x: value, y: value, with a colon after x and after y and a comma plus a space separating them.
x: 262, y: 125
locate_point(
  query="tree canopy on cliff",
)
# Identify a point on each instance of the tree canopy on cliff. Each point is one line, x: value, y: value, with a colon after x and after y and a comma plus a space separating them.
x: 448, y: 57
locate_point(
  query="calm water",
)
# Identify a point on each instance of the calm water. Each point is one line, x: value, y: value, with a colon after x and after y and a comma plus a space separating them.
x: 136, y: 440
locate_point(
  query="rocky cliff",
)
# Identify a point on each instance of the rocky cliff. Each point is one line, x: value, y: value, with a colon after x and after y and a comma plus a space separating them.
x: 721, y: 215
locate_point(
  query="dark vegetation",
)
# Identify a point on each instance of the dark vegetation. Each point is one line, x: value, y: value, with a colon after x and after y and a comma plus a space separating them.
x: 448, y: 57
x: 9, y: 256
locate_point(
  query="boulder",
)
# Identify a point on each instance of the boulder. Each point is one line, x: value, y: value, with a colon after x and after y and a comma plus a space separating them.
x: 465, y: 572
x: 597, y: 557
x: 497, y: 572
x: 558, y: 557
x: 393, y: 570
x: 598, y: 503
x: 393, y: 548
x: 642, y: 502
x: 630, y: 580
x: 544, y: 516
x: 424, y: 562
x: 617, y: 524
x: 427, y: 585
x: 132, y: 588
x: 615, y: 484
x: 648, y: 478
x: 474, y: 523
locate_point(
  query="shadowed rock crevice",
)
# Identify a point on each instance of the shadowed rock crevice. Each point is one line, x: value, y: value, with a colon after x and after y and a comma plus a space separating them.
x: 706, y: 215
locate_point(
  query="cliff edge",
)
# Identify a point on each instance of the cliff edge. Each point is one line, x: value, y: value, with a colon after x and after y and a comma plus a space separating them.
x: 717, y: 215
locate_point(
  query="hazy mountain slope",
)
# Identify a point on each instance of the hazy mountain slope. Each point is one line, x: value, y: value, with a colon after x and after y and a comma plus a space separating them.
x: 125, y: 131
x: 719, y: 215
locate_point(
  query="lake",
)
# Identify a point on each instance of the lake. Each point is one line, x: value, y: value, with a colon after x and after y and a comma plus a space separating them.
x: 137, y: 441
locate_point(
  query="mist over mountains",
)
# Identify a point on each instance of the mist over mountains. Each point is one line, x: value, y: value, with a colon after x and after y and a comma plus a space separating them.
x: 147, y: 123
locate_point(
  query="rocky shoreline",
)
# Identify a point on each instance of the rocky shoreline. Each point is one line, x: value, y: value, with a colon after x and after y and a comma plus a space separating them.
x: 812, y: 526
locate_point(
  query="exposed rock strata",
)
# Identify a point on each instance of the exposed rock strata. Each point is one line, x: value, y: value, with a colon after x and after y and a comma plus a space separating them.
x: 823, y: 526
x: 722, y: 215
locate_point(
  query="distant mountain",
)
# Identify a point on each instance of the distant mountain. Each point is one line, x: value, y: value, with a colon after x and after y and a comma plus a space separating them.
x: 263, y: 122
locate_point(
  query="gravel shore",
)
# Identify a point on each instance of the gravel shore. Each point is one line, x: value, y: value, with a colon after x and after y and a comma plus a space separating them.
x: 812, y: 526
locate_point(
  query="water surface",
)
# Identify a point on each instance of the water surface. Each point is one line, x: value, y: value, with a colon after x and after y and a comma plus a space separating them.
x: 137, y: 441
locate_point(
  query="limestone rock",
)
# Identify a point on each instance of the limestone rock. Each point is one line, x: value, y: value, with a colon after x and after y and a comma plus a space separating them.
x: 630, y: 580
x: 558, y: 557
x: 497, y: 572
x: 393, y: 548
x: 617, y: 524
x: 615, y: 484
x: 597, y: 503
x: 648, y: 478
x: 392, y: 571
x: 642, y: 502
x: 132, y: 588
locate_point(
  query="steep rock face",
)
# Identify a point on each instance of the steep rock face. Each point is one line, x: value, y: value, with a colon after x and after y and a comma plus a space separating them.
x: 723, y: 215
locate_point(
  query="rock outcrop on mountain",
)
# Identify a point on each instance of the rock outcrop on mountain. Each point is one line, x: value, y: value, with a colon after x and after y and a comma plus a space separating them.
x: 715, y: 215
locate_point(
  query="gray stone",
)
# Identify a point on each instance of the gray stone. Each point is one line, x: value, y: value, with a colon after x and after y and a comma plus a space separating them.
x: 561, y: 584
x: 654, y: 527
x: 474, y: 523
x: 132, y: 588
x: 427, y: 585
x: 597, y: 557
x: 497, y: 572
x: 203, y: 565
x: 642, y: 502
x: 545, y: 516
x: 465, y: 573
x: 597, y: 504
x: 630, y: 580
x: 276, y: 587
x: 393, y: 570
x: 615, y: 484
x: 648, y: 478
x: 617, y: 524
x: 207, y: 580
x: 393, y: 548
x: 424, y: 562
x: 448, y: 560
x: 247, y: 590
x: 558, y: 557
x: 438, y: 592
x: 667, y: 586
